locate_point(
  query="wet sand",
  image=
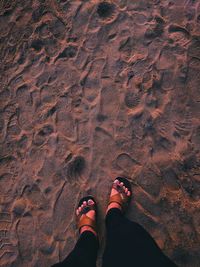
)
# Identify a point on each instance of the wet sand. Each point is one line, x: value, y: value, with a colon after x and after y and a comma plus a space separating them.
x: 89, y: 91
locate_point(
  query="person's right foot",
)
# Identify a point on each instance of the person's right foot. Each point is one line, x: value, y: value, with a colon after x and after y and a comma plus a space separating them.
x: 86, y: 215
x: 120, y: 194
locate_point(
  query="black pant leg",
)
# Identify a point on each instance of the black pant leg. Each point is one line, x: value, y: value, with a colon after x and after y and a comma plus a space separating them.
x: 129, y: 244
x: 84, y: 253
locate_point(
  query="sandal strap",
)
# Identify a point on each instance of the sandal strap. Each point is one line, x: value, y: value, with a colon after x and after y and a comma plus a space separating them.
x: 86, y: 221
x: 119, y: 198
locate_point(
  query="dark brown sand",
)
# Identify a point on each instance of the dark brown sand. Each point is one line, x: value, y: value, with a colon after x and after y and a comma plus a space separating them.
x: 88, y: 92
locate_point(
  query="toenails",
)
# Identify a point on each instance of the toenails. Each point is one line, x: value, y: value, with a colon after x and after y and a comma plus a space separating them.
x: 128, y: 193
x: 90, y: 202
x: 116, y: 181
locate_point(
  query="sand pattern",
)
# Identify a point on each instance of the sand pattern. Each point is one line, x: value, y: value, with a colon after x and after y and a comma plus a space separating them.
x: 90, y: 90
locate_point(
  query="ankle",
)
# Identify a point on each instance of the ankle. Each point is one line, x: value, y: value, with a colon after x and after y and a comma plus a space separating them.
x: 87, y: 228
x: 113, y: 205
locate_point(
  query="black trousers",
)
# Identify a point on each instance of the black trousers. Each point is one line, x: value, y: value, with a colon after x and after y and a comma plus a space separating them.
x: 127, y: 244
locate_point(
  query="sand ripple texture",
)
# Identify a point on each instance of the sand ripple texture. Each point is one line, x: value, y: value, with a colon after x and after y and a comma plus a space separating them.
x: 90, y: 90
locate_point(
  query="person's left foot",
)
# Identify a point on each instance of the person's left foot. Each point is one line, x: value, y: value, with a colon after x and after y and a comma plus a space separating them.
x: 86, y: 214
x: 120, y: 194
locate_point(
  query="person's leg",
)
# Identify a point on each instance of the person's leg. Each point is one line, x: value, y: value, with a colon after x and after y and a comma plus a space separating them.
x: 128, y: 243
x: 84, y: 253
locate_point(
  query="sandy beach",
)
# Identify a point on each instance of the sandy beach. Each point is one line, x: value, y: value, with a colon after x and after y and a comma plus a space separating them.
x: 90, y: 90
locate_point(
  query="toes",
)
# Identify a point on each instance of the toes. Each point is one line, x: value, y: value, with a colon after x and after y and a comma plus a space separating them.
x: 83, y: 206
x: 116, y: 181
x: 90, y: 202
x: 128, y: 193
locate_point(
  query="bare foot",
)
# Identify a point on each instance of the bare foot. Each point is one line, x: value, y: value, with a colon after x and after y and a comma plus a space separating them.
x: 91, y: 214
x: 124, y: 191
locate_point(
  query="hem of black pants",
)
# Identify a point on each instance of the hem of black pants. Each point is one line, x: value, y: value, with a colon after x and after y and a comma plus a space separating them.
x: 91, y: 234
x: 113, y: 213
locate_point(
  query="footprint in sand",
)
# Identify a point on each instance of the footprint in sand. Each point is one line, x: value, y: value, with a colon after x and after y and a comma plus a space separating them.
x: 69, y: 52
x: 8, y: 248
x: 105, y: 10
x: 41, y: 136
x: 92, y: 83
x: 132, y: 99
x: 167, y: 59
x: 126, y: 163
x: 26, y: 245
x: 65, y: 124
